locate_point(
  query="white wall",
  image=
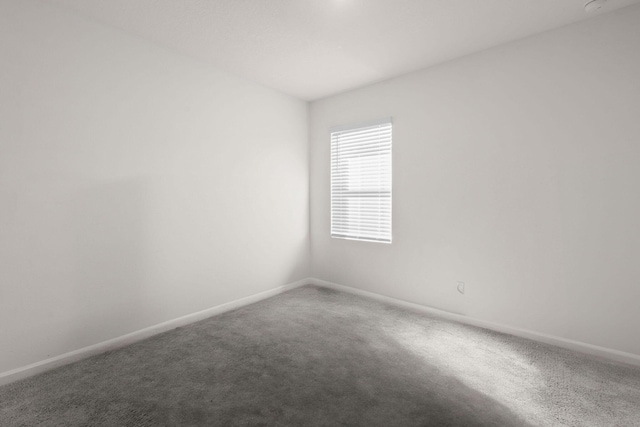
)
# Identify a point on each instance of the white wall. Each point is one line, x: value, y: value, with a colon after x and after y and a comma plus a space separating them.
x: 516, y: 170
x: 136, y: 185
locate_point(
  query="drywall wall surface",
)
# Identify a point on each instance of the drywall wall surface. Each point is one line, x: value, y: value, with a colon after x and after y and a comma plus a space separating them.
x: 136, y: 185
x: 515, y: 170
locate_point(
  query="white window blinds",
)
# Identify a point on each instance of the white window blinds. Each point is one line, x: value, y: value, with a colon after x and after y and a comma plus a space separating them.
x: 361, y: 182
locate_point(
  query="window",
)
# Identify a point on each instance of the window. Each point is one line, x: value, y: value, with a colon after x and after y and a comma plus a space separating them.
x: 361, y: 182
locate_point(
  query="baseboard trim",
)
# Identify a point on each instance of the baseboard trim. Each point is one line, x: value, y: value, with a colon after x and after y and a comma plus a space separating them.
x: 594, y: 350
x: 130, y: 338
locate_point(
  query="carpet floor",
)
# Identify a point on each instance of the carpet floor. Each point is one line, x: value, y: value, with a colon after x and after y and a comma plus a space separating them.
x: 318, y: 357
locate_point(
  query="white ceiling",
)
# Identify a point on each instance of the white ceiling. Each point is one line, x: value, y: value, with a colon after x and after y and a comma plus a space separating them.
x: 314, y: 48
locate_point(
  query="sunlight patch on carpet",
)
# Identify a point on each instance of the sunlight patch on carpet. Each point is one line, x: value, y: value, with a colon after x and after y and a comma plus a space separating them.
x: 478, y: 360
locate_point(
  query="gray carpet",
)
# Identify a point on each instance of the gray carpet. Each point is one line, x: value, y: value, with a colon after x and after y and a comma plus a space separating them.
x: 318, y: 357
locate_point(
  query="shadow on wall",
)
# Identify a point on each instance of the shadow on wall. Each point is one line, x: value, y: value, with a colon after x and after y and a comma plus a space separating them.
x: 300, y: 261
x: 110, y: 243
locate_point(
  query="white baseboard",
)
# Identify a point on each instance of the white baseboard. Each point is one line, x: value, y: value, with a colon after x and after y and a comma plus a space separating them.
x: 124, y: 340
x: 607, y: 353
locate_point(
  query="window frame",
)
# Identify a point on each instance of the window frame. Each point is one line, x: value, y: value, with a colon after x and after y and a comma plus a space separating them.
x: 369, y: 220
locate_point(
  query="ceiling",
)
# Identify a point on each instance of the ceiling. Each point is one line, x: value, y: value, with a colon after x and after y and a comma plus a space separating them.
x: 315, y: 48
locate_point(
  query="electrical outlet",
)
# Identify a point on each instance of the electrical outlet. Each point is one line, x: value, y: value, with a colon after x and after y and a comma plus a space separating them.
x: 461, y: 287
